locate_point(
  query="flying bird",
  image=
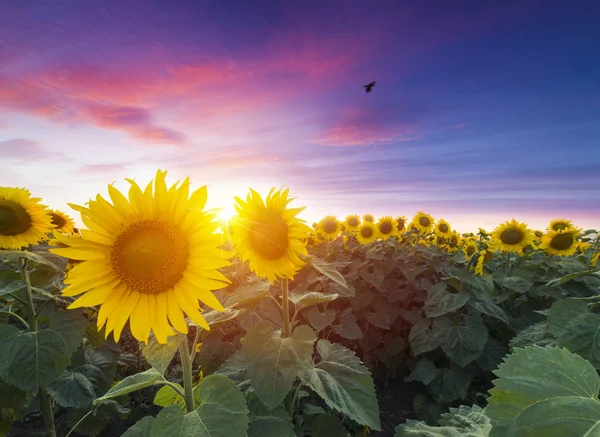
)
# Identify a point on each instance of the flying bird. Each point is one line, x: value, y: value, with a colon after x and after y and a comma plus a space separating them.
x: 369, y: 87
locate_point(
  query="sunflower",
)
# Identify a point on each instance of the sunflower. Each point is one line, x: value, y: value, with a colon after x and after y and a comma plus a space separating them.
x: 422, y: 222
x: 23, y: 221
x: 268, y: 234
x: 330, y: 227
x: 594, y: 260
x: 560, y: 225
x: 368, y: 218
x: 582, y: 246
x: 560, y: 243
x: 442, y: 228
x: 454, y: 241
x: 147, y: 258
x: 400, y: 224
x: 61, y: 221
x: 512, y: 236
x: 481, y: 259
x: 352, y: 222
x: 470, y: 249
x: 367, y: 233
x: 386, y: 227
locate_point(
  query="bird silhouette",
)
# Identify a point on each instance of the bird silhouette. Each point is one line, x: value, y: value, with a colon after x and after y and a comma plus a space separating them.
x: 369, y: 87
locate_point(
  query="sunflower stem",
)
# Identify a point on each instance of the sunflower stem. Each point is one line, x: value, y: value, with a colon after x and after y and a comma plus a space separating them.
x: 18, y: 317
x: 186, y: 364
x: 285, y: 305
x: 45, y: 401
x: 507, y: 264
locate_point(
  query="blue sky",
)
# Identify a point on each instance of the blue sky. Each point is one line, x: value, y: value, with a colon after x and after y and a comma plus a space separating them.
x: 483, y: 111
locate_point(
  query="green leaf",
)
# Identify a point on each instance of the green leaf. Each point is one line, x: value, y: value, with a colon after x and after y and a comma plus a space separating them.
x: 464, y: 342
x: 449, y: 385
x: 328, y: 426
x: 268, y: 423
x: 576, y: 329
x: 234, y: 367
x: 485, y: 305
x: 459, y: 422
x: 132, y: 383
x: 328, y: 270
x: 56, y: 262
x: 516, y: 283
x: 440, y: 302
x: 223, y: 413
x: 141, y: 428
x: 217, y: 318
x: 8, y: 333
x: 72, y: 389
x: 348, y: 328
x: 421, y: 337
x: 12, y: 287
x: 69, y: 325
x: 566, y: 278
x: 537, y: 334
x: 273, y: 363
x: 424, y: 371
x: 160, y: 355
x: 167, y: 396
x: 550, y: 381
x: 35, y: 359
x: 95, y: 338
x: 492, y: 355
x: 311, y: 298
x: 375, y: 272
x: 320, y: 320
x: 344, y: 383
x: 214, y: 351
x: 380, y: 320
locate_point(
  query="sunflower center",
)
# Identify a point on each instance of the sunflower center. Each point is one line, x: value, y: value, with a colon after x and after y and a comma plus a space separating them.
x: 385, y: 228
x: 269, y: 236
x: 470, y: 250
x: 512, y: 236
x: 368, y: 218
x: 150, y: 256
x: 57, y: 220
x: 329, y: 226
x: 400, y: 225
x: 366, y: 232
x: 444, y: 228
x: 559, y: 226
x: 353, y: 222
x: 424, y: 221
x: 562, y: 241
x: 14, y: 218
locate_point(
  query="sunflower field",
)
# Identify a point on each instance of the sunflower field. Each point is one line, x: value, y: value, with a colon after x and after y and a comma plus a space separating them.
x: 157, y: 318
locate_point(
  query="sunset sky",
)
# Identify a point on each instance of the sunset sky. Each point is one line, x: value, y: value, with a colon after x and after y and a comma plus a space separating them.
x: 483, y: 110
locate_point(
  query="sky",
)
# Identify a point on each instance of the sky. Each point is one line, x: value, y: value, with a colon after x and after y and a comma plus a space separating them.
x: 483, y: 111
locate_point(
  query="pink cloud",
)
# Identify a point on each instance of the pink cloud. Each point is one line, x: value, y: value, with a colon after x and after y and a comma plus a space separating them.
x: 24, y: 151
x: 101, y: 169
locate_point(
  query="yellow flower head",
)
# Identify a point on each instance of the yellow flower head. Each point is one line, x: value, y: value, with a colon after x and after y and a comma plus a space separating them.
x: 422, y: 222
x: 330, y: 227
x: 512, y: 236
x: 367, y: 233
x: 147, y: 258
x: 368, y: 218
x: 61, y: 221
x: 561, y: 225
x: 469, y: 249
x: 401, y: 224
x: 352, y: 222
x: 560, y: 243
x: 594, y: 260
x: 582, y: 246
x: 442, y: 228
x: 480, y: 262
x: 268, y: 234
x: 23, y: 221
x: 386, y: 227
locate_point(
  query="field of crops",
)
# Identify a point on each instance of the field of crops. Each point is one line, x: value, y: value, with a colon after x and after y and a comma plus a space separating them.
x: 158, y: 318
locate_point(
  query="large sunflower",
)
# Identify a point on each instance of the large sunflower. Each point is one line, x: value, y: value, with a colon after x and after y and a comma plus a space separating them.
x: 422, y: 222
x: 330, y: 227
x: 469, y: 249
x: 369, y: 218
x: 367, y: 233
x: 23, y: 221
x: 442, y: 228
x: 560, y: 225
x: 386, y: 227
x: 400, y: 224
x: 563, y: 243
x: 61, y: 221
x: 268, y: 234
x: 512, y: 236
x: 352, y: 222
x: 149, y: 259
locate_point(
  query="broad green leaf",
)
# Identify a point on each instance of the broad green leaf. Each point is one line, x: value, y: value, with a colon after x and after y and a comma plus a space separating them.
x: 492, y: 355
x: 576, y: 329
x: 14, y: 398
x: 73, y: 390
x: 167, y: 396
x: 141, y: 428
x: 421, y: 337
x: 160, y: 355
x: 248, y: 295
x: 8, y: 333
x: 485, y: 305
x: 411, y: 273
x: 464, y: 342
x: 223, y: 413
x: 320, y: 320
x: 348, y: 328
x: 311, y: 298
x: 69, y: 325
x: 12, y: 287
x: 214, y: 351
x: 570, y: 277
x: 132, y: 383
x: 516, y: 283
x: 375, y: 272
x: 380, y: 320
x: 459, y: 422
x: 532, y: 375
x: 273, y: 363
x: 328, y: 270
x: 424, y: 371
x: 534, y: 335
x: 449, y: 385
x: 234, y: 367
x: 268, y: 423
x: 105, y: 359
x: 217, y: 318
x: 328, y: 426
x: 440, y: 301
x: 95, y: 338
x: 57, y: 262
x: 344, y: 383
x: 35, y: 359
